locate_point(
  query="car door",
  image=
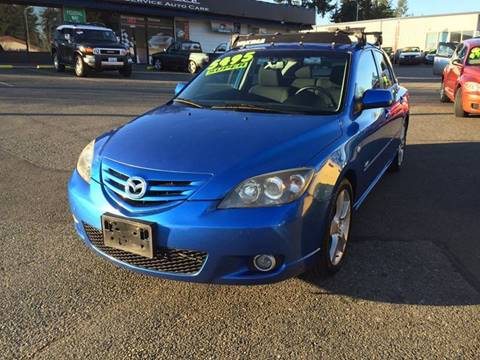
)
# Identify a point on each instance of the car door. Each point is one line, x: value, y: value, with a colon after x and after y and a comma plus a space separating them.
x: 69, y: 46
x: 454, y: 70
x: 394, y: 114
x: 166, y: 57
x: 371, y: 139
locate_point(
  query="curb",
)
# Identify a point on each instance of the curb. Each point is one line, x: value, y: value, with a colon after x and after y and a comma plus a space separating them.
x: 37, y: 67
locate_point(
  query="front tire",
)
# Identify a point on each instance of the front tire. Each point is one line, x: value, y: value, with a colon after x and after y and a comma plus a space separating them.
x: 459, y: 112
x: 80, y: 67
x: 337, y: 232
x: 56, y: 64
x: 158, y: 65
x: 443, y: 97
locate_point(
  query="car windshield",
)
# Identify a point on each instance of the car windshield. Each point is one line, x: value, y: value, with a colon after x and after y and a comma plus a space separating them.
x: 95, y: 35
x: 411, y: 49
x: 274, y: 80
x: 474, y: 56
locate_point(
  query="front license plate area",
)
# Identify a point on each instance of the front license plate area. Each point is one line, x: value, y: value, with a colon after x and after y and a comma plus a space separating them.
x: 131, y: 236
x: 112, y: 59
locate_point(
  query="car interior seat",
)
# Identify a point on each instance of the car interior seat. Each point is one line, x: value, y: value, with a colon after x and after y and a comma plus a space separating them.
x: 269, y: 86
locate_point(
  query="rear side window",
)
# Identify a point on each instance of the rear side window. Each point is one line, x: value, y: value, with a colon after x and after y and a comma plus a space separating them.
x: 367, y: 75
x: 386, y: 73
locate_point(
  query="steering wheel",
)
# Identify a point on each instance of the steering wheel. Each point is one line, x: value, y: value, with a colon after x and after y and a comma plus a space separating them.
x: 318, y: 89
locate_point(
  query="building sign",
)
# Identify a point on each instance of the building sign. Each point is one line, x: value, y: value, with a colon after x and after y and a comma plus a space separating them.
x: 188, y: 5
x: 74, y: 15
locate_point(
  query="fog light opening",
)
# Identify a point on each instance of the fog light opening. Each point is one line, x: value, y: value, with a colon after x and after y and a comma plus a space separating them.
x: 264, y: 263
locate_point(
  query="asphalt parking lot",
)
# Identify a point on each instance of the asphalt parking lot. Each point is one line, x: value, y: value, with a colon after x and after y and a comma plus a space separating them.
x: 410, y: 288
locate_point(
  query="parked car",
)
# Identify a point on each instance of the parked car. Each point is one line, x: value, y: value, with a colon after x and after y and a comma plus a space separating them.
x: 181, y: 55
x: 429, y: 57
x: 219, y: 51
x: 252, y: 172
x: 409, y: 55
x: 389, y: 52
x: 89, y: 48
x: 461, y: 79
x: 444, y: 53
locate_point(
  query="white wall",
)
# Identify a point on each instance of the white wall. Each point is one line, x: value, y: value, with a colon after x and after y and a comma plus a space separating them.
x: 412, y: 31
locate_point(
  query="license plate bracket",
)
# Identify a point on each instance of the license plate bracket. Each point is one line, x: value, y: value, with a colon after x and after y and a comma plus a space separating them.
x: 112, y: 59
x: 131, y: 236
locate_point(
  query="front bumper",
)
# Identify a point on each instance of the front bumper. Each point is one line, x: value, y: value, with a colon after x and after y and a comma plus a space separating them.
x: 101, y: 62
x: 228, y: 238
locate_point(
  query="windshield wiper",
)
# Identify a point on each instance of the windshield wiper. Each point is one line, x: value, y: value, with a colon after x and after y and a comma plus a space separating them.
x: 188, y: 102
x: 248, y: 107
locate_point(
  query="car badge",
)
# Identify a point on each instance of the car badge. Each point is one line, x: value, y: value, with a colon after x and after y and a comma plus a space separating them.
x: 135, y: 188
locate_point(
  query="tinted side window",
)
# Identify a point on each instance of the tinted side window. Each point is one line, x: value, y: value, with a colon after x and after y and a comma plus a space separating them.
x: 386, y: 73
x: 367, y: 75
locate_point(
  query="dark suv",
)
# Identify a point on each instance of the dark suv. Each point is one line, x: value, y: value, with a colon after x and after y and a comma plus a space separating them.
x: 89, y: 48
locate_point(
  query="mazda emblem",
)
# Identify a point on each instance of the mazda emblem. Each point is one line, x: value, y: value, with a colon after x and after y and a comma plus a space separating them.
x: 135, y: 188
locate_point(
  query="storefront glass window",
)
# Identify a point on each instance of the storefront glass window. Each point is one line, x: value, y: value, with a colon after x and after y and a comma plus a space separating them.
x: 160, y: 34
x: 17, y: 20
x: 133, y: 35
x: 455, y: 36
x: 431, y: 42
x: 467, y: 35
x: 42, y: 22
x: 12, y: 28
x: 109, y: 19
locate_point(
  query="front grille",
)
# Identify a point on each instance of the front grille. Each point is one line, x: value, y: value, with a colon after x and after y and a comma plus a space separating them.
x: 109, y: 52
x: 166, y: 260
x: 163, y: 188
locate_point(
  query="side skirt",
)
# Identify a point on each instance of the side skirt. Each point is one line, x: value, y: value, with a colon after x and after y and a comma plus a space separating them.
x: 362, y: 198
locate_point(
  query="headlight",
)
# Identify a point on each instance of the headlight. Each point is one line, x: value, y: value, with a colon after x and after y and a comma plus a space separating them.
x: 123, y: 52
x: 86, y: 50
x: 96, y: 51
x: 269, y: 190
x: 84, y: 165
x: 472, y: 86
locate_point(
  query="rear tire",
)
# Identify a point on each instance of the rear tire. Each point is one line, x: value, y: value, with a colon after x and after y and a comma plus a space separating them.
x: 443, y: 97
x: 80, y: 67
x: 459, y: 112
x: 56, y: 64
x: 337, y: 232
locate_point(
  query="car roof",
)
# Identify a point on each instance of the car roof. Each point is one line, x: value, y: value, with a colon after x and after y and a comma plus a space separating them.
x: 83, y: 27
x: 473, y: 42
x: 308, y: 46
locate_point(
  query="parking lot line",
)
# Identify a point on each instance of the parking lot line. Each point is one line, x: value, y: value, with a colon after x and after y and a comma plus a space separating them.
x: 6, y: 84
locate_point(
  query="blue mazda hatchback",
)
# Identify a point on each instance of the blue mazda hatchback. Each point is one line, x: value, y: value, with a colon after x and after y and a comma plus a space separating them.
x: 252, y: 172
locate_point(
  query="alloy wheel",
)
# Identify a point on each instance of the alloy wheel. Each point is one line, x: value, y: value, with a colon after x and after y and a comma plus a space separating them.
x: 340, y: 227
x: 192, y: 67
x: 79, y: 67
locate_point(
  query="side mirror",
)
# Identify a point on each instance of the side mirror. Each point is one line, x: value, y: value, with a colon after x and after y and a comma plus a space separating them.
x: 179, y: 88
x: 457, y: 62
x: 377, y: 98
x: 67, y: 37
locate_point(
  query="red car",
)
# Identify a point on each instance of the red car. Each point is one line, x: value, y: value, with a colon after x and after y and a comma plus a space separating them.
x: 461, y: 79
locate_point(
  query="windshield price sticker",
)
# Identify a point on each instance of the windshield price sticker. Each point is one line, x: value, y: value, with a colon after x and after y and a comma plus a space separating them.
x: 230, y: 63
x: 475, y: 54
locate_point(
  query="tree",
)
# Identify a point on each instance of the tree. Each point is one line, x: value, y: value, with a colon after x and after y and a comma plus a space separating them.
x: 367, y: 9
x: 322, y: 6
x: 402, y: 8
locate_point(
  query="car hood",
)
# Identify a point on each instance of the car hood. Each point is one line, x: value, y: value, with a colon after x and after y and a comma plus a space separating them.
x: 109, y: 45
x: 232, y: 146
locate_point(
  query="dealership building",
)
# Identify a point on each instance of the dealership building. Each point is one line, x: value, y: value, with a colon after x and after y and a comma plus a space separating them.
x: 147, y: 26
x: 424, y: 32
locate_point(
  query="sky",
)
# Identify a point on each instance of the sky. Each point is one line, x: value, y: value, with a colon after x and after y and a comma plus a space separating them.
x: 432, y: 7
